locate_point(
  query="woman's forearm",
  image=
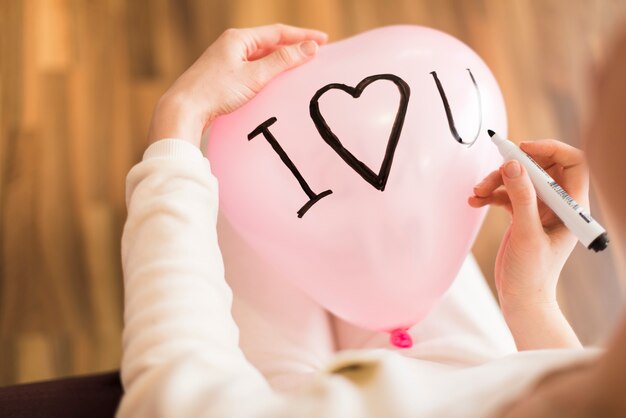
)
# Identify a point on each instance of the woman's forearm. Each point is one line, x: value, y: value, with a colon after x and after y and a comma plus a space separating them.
x: 175, y: 117
x: 539, y: 326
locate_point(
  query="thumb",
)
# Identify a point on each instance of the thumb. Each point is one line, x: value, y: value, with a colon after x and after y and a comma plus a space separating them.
x: 283, y: 59
x: 526, y: 222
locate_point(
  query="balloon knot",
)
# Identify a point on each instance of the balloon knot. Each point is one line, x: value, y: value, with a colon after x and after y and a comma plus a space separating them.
x: 401, y: 338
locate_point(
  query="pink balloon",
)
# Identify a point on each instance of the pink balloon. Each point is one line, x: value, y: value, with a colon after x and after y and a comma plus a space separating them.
x: 348, y: 175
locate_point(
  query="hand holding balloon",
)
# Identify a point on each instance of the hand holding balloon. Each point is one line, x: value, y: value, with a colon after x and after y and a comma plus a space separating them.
x: 536, y: 244
x: 227, y: 75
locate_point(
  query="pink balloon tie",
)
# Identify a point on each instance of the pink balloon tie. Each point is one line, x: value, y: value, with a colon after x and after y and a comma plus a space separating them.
x: 401, y: 338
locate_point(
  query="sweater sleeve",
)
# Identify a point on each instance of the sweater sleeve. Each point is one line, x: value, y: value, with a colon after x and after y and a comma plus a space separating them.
x: 180, y: 342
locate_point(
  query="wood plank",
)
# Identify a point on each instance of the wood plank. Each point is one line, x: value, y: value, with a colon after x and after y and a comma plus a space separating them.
x: 78, y: 83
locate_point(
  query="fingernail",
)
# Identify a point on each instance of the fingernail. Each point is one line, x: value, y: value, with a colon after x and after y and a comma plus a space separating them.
x: 512, y: 169
x: 324, y: 34
x: 308, y: 48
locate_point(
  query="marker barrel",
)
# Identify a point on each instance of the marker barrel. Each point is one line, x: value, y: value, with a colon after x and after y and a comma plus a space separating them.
x: 589, y: 232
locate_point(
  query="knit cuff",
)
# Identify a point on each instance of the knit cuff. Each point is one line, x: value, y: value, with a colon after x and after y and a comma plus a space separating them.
x: 173, y: 148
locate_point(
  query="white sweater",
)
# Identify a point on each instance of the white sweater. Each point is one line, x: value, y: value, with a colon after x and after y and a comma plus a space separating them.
x: 181, y: 351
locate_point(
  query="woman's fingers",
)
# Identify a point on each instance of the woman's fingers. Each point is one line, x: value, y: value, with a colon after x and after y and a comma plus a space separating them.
x: 497, y: 198
x: 511, y: 188
x: 553, y: 151
x: 567, y: 162
x: 260, y: 53
x: 271, y: 50
x: 489, y: 184
x: 549, y: 152
x: 270, y: 36
x: 526, y: 223
x: 224, y: 77
x: 491, y: 191
x: 284, y: 58
x: 555, y: 157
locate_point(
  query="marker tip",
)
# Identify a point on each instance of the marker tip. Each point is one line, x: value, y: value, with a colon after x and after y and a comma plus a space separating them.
x: 490, y: 132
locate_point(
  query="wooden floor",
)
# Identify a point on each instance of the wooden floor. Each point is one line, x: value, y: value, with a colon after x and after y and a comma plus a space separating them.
x: 78, y: 82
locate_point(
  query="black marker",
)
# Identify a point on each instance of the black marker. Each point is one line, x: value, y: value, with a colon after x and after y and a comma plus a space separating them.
x: 589, y: 232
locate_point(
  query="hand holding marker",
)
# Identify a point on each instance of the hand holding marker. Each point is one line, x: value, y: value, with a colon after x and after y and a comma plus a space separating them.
x: 589, y: 232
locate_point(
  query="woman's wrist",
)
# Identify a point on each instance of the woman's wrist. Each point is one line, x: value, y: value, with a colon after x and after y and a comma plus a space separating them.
x: 529, y: 308
x: 528, y: 301
x: 524, y: 288
x: 539, y: 325
x: 175, y: 116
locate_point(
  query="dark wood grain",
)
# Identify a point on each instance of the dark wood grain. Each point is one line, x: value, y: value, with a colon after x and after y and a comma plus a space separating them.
x: 79, y: 80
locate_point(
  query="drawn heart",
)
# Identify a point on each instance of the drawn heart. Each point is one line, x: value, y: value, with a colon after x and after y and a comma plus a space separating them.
x: 377, y: 180
x: 378, y: 253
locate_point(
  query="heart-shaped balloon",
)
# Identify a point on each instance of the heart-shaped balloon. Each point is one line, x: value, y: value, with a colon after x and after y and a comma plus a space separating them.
x: 351, y: 173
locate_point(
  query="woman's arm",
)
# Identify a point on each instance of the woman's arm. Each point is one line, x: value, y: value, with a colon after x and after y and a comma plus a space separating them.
x: 180, y: 344
x: 227, y: 75
x: 177, y: 303
x: 536, y: 244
